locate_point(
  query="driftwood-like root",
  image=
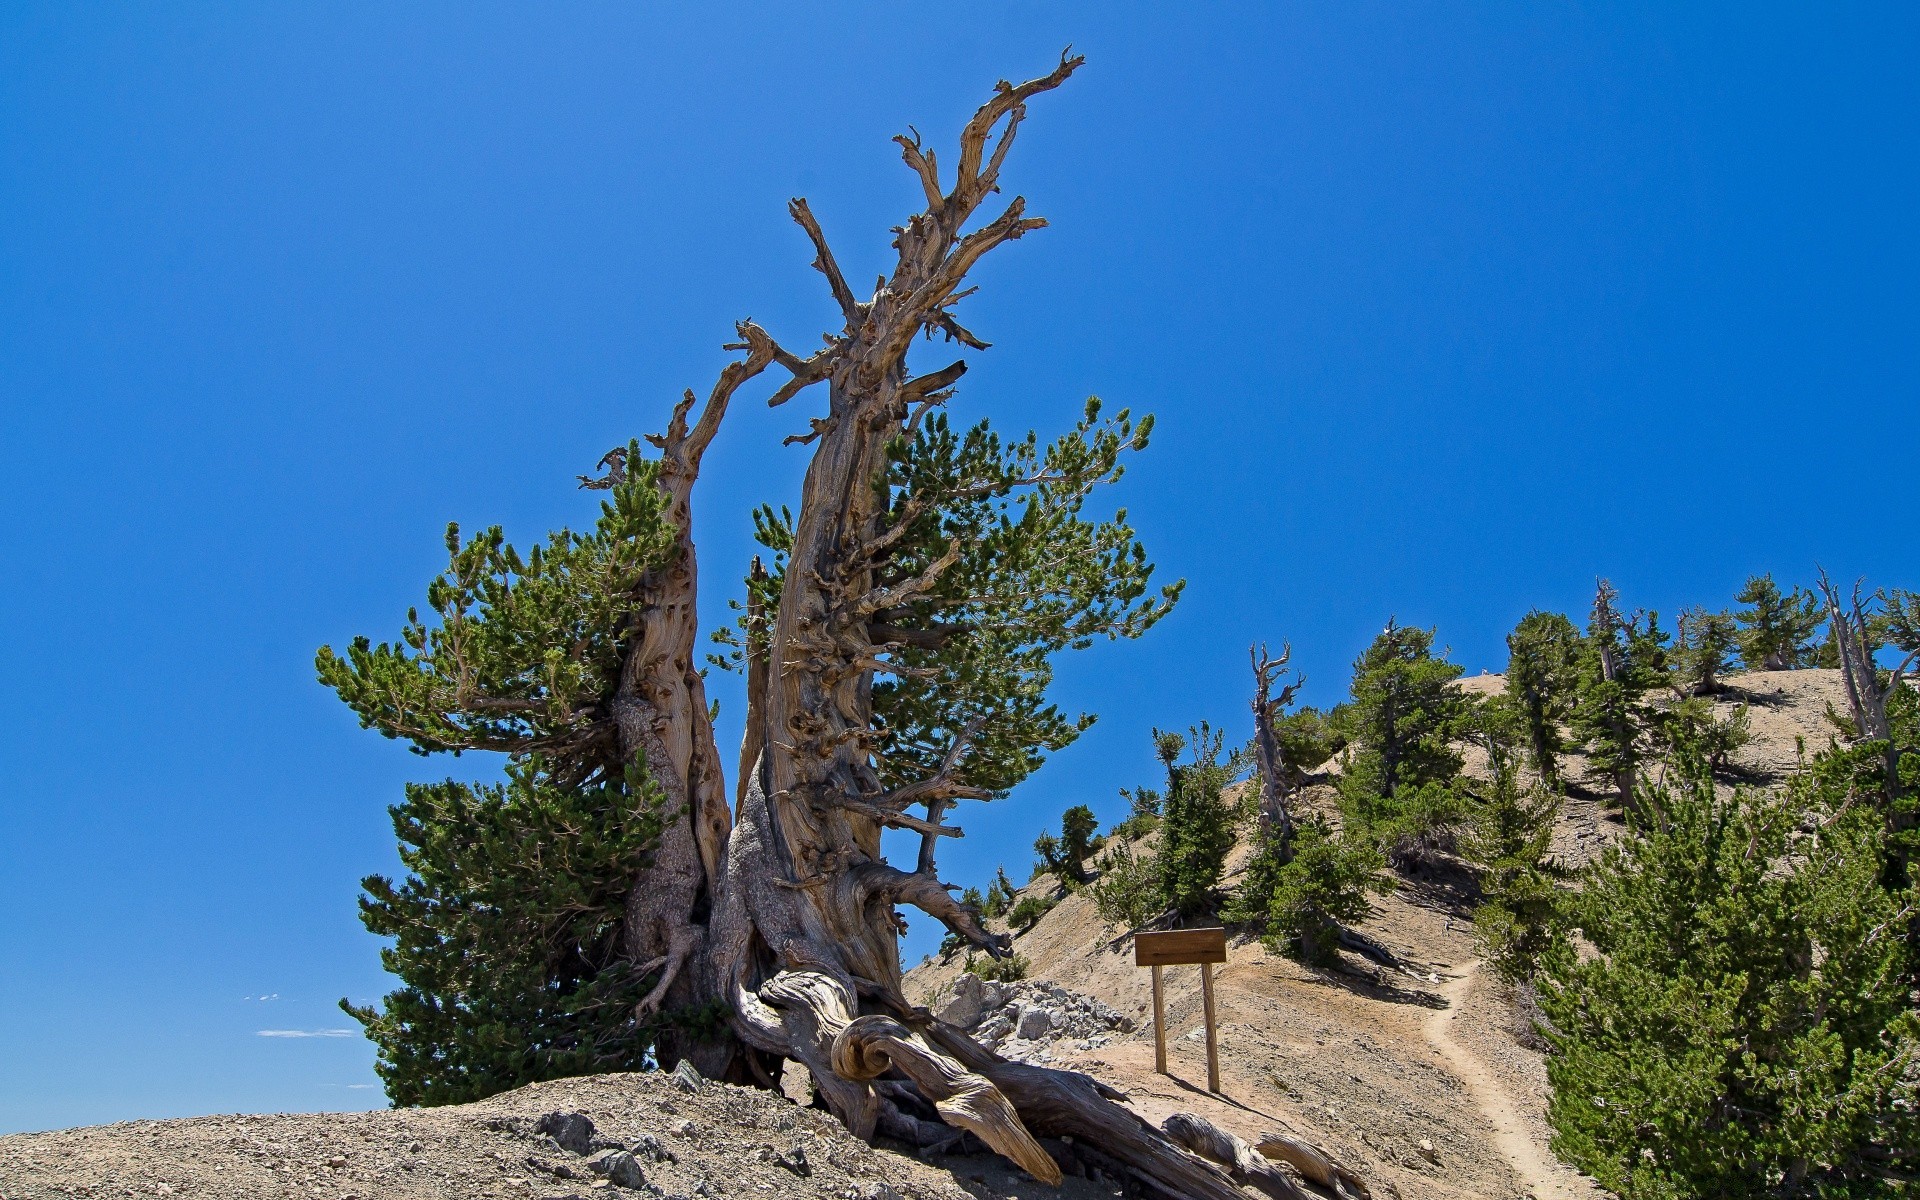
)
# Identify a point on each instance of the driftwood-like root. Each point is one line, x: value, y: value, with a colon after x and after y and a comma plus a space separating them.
x: 1313, y: 1163
x: 1211, y: 1142
x: 872, y: 1045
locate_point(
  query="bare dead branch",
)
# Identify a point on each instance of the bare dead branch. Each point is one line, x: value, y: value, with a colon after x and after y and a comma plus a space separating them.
x: 824, y: 263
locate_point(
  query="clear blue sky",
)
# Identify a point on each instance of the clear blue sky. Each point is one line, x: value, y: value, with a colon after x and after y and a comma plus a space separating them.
x: 1444, y: 310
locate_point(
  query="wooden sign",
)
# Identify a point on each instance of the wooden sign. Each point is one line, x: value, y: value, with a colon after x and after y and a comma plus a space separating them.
x: 1179, y: 947
x: 1183, y: 947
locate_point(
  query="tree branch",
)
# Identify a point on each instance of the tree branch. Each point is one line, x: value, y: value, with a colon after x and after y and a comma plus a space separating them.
x: 824, y: 263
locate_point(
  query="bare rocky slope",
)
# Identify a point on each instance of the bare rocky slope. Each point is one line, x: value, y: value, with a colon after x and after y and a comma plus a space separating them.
x: 1418, y: 1077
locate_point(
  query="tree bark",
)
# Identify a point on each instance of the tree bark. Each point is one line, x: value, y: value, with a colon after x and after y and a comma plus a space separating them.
x: 801, y: 942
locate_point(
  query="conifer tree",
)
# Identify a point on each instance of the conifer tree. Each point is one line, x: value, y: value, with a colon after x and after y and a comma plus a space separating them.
x: 1398, y: 786
x: 1197, y: 823
x: 1704, y: 647
x: 1324, y: 886
x: 1066, y: 855
x: 1776, y: 631
x: 1000, y: 894
x: 513, y: 967
x: 1741, y: 1024
x: 1622, y: 661
x: 1509, y: 834
x: 899, y: 649
x: 1542, y: 662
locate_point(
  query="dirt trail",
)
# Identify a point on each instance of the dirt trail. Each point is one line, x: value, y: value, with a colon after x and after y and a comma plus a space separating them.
x: 1545, y: 1177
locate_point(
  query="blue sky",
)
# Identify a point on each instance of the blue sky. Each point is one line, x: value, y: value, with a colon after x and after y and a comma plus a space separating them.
x: 1443, y: 310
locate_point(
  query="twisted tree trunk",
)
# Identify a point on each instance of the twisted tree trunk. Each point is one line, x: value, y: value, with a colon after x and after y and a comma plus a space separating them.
x: 800, y: 936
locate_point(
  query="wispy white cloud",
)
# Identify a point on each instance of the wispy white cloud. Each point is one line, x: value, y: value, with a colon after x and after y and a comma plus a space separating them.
x: 304, y: 1033
x: 267, y: 996
x: 358, y: 1086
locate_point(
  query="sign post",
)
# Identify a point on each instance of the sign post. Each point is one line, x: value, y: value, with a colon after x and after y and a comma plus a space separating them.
x: 1179, y: 947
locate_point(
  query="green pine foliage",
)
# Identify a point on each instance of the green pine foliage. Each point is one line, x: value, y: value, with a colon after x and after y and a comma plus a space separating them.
x: 1000, y: 894
x: 1623, y: 662
x: 1399, y: 786
x: 1027, y: 911
x: 1197, y: 823
x: 541, y: 634
x: 1738, y: 1020
x: 1704, y: 649
x: 1508, y: 836
x: 1776, y: 631
x: 1693, y: 725
x: 1128, y: 892
x: 1543, y: 653
x: 1065, y: 856
x: 1034, y: 577
x: 507, y: 934
x: 1324, y: 887
x: 1143, y: 813
x: 1011, y: 969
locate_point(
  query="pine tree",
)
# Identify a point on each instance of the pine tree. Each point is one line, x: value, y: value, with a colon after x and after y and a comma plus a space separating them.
x: 1197, y: 824
x: 1128, y: 892
x: 1622, y: 662
x: 1398, y: 786
x: 1704, y: 647
x: 1509, y: 834
x: 1000, y: 894
x: 1542, y: 661
x: 1065, y: 856
x: 1741, y: 1023
x: 1776, y: 632
x: 1324, y: 886
x: 512, y: 966
x: 1143, y: 812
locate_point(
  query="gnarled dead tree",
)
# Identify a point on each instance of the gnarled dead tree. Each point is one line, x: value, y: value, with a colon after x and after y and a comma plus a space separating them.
x: 1276, y: 793
x: 896, y: 655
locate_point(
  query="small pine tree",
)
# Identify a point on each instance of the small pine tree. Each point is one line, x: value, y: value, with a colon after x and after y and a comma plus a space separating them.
x: 1128, y: 891
x: 1740, y: 1023
x: 1398, y: 787
x: 1000, y: 894
x: 1324, y: 887
x: 1197, y: 825
x: 1622, y: 661
x: 1776, y: 632
x: 1065, y: 856
x: 1692, y: 726
x: 953, y: 942
x: 1703, y: 650
x: 1542, y: 661
x: 1509, y: 833
x: 1024, y: 915
x: 1143, y: 813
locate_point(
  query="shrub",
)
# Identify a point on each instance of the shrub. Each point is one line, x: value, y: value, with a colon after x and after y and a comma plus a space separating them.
x: 1027, y: 913
x: 1002, y: 970
x: 1128, y: 890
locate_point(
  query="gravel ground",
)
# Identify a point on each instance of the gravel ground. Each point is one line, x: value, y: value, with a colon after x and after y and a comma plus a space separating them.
x: 648, y: 1136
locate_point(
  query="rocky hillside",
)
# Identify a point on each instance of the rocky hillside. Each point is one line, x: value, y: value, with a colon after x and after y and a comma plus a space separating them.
x: 1423, y: 1076
x: 1419, y: 1075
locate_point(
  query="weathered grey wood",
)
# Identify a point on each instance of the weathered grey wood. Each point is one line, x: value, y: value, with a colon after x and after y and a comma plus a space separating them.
x: 1247, y: 1168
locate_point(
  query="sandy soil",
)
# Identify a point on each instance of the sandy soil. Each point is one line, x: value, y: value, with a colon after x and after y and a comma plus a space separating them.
x: 1368, y: 1061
